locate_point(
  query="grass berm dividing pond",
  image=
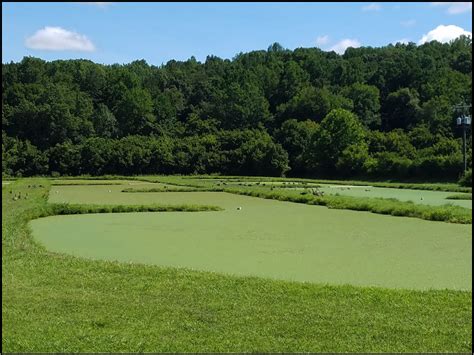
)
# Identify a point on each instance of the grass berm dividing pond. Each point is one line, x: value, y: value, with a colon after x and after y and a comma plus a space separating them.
x: 198, y: 181
x: 460, y: 197
x: 65, y: 208
x: 445, y: 213
x: 67, y: 183
x: 449, y: 187
x: 59, y: 303
x: 451, y: 214
x: 177, y: 189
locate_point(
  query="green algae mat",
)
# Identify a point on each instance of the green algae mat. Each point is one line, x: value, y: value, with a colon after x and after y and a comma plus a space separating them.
x: 266, y: 238
x: 424, y: 197
x: 101, y: 194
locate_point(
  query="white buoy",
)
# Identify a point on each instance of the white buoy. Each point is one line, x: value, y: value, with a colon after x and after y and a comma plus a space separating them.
x: 239, y: 208
x: 110, y: 190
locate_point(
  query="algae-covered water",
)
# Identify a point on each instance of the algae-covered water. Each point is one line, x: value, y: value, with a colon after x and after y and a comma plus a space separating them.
x: 266, y: 238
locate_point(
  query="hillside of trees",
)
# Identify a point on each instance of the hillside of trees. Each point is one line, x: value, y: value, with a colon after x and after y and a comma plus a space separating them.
x: 374, y: 112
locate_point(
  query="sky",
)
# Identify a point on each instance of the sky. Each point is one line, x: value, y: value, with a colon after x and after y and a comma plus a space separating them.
x: 121, y: 32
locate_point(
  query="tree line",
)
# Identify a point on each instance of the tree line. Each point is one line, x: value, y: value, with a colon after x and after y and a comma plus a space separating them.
x: 381, y: 112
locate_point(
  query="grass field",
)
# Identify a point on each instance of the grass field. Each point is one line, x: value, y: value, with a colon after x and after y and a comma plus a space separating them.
x: 53, y: 302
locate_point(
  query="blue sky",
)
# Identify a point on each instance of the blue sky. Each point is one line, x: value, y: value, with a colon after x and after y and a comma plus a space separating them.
x: 158, y: 32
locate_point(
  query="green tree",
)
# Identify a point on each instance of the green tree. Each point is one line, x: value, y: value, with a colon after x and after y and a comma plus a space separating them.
x: 437, y: 115
x: 105, y: 123
x: 366, y: 101
x: 292, y: 80
x: 65, y: 158
x: 97, y: 156
x: 208, y: 117
x: 337, y: 131
x: 21, y: 158
x: 401, y: 109
x: 294, y: 136
x: 135, y: 113
x: 242, y: 106
x: 313, y: 104
x: 354, y: 160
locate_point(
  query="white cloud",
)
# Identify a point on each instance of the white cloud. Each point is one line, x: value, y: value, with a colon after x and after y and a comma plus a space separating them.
x: 444, y: 34
x: 341, y: 46
x: 322, y: 40
x: 372, y: 7
x: 455, y: 8
x: 402, y: 40
x: 59, y: 39
x: 408, y: 23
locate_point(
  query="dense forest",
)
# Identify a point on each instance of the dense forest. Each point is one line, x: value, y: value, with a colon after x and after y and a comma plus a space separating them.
x: 375, y: 112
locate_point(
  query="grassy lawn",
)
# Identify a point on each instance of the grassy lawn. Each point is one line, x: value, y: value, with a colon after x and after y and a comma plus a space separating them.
x: 58, y: 303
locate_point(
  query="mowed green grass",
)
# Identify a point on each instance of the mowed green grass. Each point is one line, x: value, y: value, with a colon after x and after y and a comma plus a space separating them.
x: 58, y: 303
x: 266, y: 238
